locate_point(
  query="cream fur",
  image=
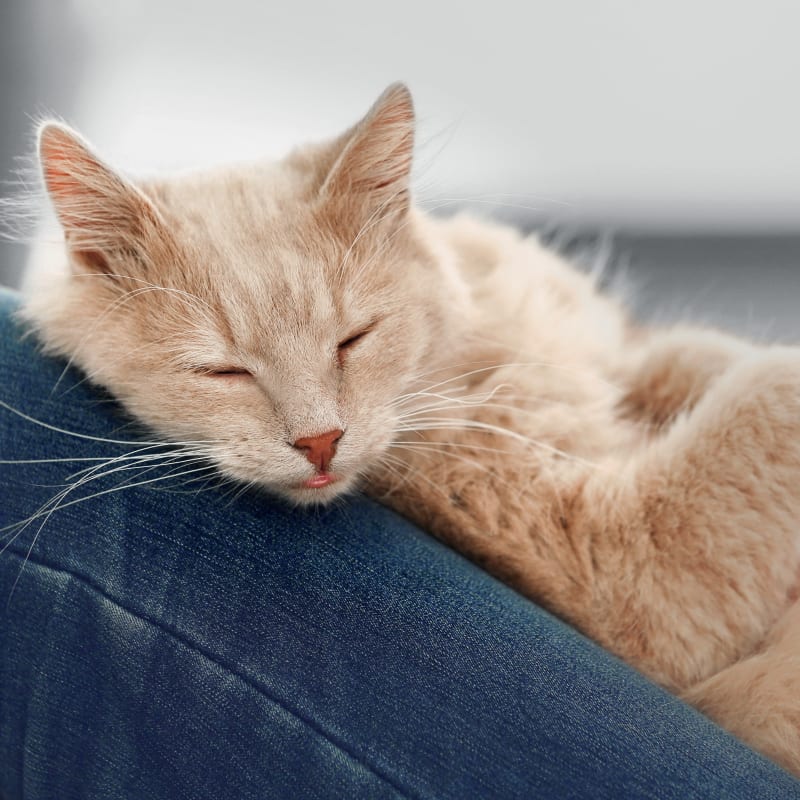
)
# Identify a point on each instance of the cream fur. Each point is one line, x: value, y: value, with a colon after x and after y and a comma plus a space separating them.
x: 642, y: 484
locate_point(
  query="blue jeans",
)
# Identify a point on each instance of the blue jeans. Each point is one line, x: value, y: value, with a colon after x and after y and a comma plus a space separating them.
x: 159, y: 641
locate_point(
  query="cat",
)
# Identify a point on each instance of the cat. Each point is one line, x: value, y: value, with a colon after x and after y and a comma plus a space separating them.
x: 320, y: 333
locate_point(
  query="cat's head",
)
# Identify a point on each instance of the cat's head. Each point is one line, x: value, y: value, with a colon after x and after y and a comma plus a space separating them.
x: 278, y: 312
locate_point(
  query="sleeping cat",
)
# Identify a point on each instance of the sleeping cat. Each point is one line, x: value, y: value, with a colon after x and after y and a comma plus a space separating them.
x: 321, y: 333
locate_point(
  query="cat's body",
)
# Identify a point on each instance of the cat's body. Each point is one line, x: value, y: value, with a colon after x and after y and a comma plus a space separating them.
x: 314, y: 330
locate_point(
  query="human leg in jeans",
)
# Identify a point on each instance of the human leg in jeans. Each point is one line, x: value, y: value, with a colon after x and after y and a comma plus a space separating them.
x: 174, y: 640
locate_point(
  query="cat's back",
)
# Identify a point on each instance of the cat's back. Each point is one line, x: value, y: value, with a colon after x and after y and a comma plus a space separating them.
x: 529, y: 295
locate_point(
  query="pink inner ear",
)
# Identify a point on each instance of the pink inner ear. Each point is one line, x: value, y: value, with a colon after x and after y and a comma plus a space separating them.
x: 55, y: 178
x: 101, y: 213
x: 75, y: 176
x: 94, y: 260
x: 61, y: 154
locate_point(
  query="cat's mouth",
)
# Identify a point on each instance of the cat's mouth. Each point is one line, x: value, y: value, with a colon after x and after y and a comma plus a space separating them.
x: 320, y: 488
x: 319, y: 481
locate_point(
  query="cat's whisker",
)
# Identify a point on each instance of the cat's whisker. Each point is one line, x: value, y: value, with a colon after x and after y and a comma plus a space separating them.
x: 212, y: 482
x: 423, y: 414
x: 146, y: 456
x: 411, y: 411
x: 142, y: 461
x: 442, y: 394
x: 104, y: 440
x: 421, y: 377
x: 454, y: 423
x: 427, y: 444
x: 446, y: 401
x: 127, y: 462
x: 56, y: 505
x: 483, y: 401
x: 518, y: 361
x: 238, y: 490
x: 16, y: 529
x: 406, y: 473
x: 47, y: 510
x: 515, y: 403
x: 175, y: 488
x: 525, y: 365
x: 69, y: 460
x: 392, y: 465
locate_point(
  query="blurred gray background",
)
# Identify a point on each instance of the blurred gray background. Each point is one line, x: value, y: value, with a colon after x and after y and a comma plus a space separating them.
x: 660, y: 136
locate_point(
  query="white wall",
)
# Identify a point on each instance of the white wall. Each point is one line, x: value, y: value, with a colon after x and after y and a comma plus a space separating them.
x: 676, y: 114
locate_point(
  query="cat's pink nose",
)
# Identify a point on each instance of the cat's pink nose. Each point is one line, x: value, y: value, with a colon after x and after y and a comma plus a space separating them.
x: 320, y: 450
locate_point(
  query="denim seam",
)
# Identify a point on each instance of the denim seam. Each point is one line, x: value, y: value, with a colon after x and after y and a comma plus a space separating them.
x: 261, y: 690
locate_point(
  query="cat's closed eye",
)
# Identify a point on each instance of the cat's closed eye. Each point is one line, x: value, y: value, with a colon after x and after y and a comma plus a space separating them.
x: 228, y: 372
x: 351, y: 341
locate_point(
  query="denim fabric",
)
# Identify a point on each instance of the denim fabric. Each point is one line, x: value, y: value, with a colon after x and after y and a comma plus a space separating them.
x: 165, y: 644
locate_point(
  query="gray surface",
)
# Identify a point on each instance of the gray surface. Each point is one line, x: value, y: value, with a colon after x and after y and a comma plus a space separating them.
x: 750, y: 285
x: 660, y: 116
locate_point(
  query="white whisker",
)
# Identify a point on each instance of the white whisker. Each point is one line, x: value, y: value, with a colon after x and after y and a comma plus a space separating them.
x: 451, y: 423
x: 56, y: 429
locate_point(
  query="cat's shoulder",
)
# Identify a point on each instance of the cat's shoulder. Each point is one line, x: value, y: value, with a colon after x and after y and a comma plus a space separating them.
x: 489, y: 252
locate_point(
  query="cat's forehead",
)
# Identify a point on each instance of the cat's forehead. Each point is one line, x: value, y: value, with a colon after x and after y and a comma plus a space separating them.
x: 254, y: 223
x: 233, y: 203
x: 281, y: 285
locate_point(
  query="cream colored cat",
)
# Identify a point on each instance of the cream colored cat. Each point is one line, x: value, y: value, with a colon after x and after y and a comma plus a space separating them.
x: 323, y: 334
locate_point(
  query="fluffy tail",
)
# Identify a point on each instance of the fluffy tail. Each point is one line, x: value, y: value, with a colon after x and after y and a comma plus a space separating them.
x: 758, y: 698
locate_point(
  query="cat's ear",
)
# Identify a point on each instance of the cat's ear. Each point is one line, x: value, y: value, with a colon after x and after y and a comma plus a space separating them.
x: 374, y: 167
x: 102, y: 214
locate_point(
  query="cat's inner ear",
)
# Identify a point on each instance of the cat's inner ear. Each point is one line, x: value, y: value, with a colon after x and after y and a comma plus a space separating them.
x: 373, y: 170
x: 103, y: 215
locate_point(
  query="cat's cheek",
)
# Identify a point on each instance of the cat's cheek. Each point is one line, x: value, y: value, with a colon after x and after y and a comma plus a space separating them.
x: 364, y: 444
